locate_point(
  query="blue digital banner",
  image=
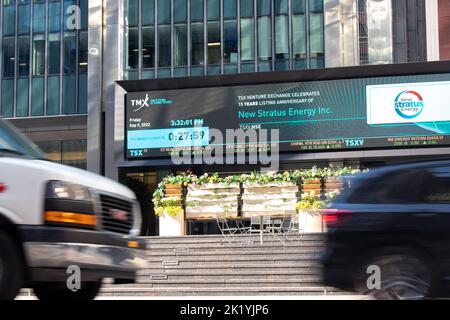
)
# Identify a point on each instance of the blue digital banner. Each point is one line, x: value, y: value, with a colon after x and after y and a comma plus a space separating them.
x: 168, y: 138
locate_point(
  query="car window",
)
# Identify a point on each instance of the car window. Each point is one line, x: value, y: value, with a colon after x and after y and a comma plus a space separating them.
x: 436, y: 186
x: 13, y: 142
x: 393, y: 187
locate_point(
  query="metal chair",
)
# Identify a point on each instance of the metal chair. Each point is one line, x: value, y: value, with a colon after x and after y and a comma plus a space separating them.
x: 230, y: 233
x: 280, y: 229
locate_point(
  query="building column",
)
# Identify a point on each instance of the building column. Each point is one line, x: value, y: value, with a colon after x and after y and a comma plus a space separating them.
x: 106, y: 30
x: 379, y: 26
x: 341, y: 33
x: 94, y: 131
x: 432, y: 25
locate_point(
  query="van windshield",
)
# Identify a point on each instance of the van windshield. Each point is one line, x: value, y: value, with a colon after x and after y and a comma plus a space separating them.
x: 14, y: 143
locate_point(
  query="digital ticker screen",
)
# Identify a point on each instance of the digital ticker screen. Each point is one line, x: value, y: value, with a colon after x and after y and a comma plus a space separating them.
x: 363, y: 113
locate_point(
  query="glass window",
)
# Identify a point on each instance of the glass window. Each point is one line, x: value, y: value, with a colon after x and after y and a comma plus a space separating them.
x: 213, y: 70
x: 436, y: 185
x: 8, y: 57
x: 316, y: 34
x: 54, y: 16
x: 148, y: 12
x: 247, y: 40
x: 229, y: 9
x: 148, y: 74
x: 163, y: 12
x: 246, y: 8
x: 281, y: 6
x: 180, y: 45
x: 23, y: 63
x: 74, y: 153
x: 131, y: 75
x: 132, y: 13
x: 180, y: 72
x: 39, y: 17
x: 7, y: 98
x: 52, y: 150
x: 263, y: 7
x: 23, y: 25
x: 164, y: 73
x: 197, y: 43
x: 69, y: 94
x: 180, y: 10
x: 37, y: 96
x: 148, y: 47
x: 9, y: 20
x: 82, y: 93
x: 53, y: 95
x: 164, y: 50
x: 281, y: 37
x: 230, y: 68
x: 298, y: 6
x: 54, y: 54
x: 214, y: 43
x: 84, y: 7
x: 132, y: 57
x: 264, y: 38
x: 83, y: 51
x: 247, y: 67
x: 213, y: 7
x: 197, y: 71
x: 196, y: 10
x: 230, y: 42
x: 70, y: 52
x: 22, y: 97
x: 316, y: 5
x: 299, y: 36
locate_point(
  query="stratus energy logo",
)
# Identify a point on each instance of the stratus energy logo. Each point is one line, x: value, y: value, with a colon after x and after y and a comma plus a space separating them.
x: 409, y: 104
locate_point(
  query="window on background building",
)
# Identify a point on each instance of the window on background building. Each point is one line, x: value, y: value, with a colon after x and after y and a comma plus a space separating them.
x: 70, y: 52
x: 54, y: 16
x: 82, y: 93
x: 281, y: 35
x: 68, y: 152
x: 213, y: 9
x: 264, y: 35
x: 23, y: 61
x: 148, y: 47
x: 37, y: 96
x: 132, y: 56
x: 53, y: 95
x: 197, y: 10
x: 147, y: 12
x: 229, y: 9
x: 230, y: 42
x: 132, y: 13
x: 22, y: 97
x: 83, y: 52
x: 7, y: 107
x: 316, y: 34
x: 214, y: 43
x: 164, y: 46
x: 247, y: 40
x: 69, y: 94
x: 299, y: 41
x: 164, y: 12
x: 180, y: 45
x: 9, y: 57
x: 23, y: 16
x: 38, y: 54
x: 54, y: 53
x: 197, y: 44
x: 9, y: 18
x: 38, y: 17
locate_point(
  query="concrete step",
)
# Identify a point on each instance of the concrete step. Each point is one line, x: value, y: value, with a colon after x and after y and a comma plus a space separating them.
x: 218, y: 238
x: 250, y: 276
x: 230, y: 291
x: 233, y: 264
x: 187, y: 259
x: 231, y: 252
x: 241, y: 246
x: 215, y: 283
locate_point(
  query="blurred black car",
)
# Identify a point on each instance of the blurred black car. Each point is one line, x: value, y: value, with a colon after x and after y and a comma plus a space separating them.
x: 395, y: 220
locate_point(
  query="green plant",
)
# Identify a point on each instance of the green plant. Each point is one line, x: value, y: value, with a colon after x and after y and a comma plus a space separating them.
x: 310, y: 203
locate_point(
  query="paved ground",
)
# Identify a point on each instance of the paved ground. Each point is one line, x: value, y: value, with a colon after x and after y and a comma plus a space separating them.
x: 257, y: 298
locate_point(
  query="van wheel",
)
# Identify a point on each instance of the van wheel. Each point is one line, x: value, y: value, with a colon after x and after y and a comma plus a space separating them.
x: 11, y: 268
x: 59, y: 291
x: 403, y: 276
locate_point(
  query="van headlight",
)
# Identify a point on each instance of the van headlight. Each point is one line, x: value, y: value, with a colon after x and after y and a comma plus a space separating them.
x: 68, y: 191
x: 69, y: 204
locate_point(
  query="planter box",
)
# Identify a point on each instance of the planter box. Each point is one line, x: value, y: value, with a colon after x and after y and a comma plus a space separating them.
x: 311, y: 223
x: 171, y: 226
x: 281, y: 213
x: 312, y: 181
x: 269, y: 184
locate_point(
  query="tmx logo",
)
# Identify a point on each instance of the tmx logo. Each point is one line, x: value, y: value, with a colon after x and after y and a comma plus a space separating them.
x: 140, y: 103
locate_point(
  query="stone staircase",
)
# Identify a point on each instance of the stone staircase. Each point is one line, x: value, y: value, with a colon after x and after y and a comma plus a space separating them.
x: 202, y: 266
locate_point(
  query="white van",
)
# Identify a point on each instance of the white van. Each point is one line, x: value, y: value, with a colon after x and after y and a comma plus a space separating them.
x: 58, y: 222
